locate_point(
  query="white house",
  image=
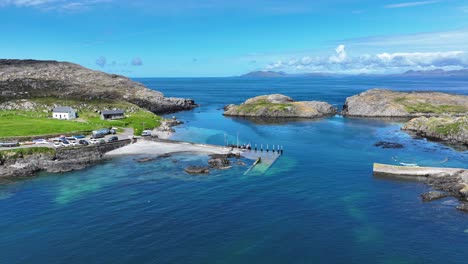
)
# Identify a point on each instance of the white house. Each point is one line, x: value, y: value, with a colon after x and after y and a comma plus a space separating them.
x: 66, y: 113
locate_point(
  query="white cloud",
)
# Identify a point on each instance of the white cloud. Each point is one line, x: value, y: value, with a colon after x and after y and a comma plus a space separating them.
x: 379, y: 62
x: 340, y: 55
x: 410, y: 4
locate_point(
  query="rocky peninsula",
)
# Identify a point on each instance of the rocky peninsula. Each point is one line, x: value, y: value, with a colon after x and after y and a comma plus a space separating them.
x: 387, y: 103
x: 450, y: 129
x: 22, y: 79
x: 279, y: 106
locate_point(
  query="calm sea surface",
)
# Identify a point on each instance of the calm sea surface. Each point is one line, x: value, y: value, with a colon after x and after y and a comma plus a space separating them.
x: 318, y: 204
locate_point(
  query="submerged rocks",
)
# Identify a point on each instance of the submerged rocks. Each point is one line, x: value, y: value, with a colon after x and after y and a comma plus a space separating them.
x: 433, y: 195
x: 21, y: 79
x: 387, y: 103
x: 197, y: 170
x: 279, y: 106
x: 451, y: 129
x: 385, y: 145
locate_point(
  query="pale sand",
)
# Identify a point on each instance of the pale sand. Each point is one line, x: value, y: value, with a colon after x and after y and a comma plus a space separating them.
x: 147, y: 147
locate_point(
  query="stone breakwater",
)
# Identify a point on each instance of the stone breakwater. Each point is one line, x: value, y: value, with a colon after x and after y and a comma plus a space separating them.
x: 446, y: 181
x: 55, y: 160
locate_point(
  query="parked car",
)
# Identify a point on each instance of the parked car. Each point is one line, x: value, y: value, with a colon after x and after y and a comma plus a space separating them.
x: 83, y: 142
x: 93, y: 141
x: 111, y: 139
x: 113, y: 131
x: 79, y: 136
x: 65, y: 143
x: 97, y: 135
x: 104, y: 131
x: 102, y: 141
x: 9, y: 144
x: 57, y: 144
x: 146, y: 133
x: 40, y: 141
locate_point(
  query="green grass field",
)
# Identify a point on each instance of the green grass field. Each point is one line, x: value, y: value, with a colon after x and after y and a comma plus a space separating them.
x: 36, y: 123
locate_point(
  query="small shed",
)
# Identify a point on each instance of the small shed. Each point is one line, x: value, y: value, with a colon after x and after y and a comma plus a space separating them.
x: 112, y: 114
x: 63, y: 112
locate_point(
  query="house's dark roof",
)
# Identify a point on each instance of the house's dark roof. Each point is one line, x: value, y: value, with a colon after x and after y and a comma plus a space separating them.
x: 62, y: 109
x: 113, y: 112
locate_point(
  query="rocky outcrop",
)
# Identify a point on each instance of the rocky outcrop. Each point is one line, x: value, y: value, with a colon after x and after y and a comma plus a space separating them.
x: 197, y: 170
x: 219, y: 161
x: 279, y: 106
x: 387, y: 103
x: 451, y: 129
x: 16, y: 164
x: 20, y: 79
x: 446, y: 181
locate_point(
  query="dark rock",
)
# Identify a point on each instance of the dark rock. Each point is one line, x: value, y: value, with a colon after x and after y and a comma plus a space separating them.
x: 219, y: 163
x: 433, y: 195
x: 197, y: 170
x: 385, y: 145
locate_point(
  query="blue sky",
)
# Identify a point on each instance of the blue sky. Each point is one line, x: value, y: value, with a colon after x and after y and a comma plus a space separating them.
x: 144, y: 38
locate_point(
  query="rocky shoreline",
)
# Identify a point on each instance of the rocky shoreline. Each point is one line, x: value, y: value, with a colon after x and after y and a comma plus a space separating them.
x: 447, y: 129
x: 28, y: 162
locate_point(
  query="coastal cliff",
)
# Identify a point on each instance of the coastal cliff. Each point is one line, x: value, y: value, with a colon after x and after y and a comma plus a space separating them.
x: 22, y: 79
x: 387, y: 103
x: 451, y: 129
x: 279, y: 106
x: 28, y: 161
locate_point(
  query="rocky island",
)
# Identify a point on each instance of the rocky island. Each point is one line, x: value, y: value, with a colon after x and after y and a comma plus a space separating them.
x: 450, y: 129
x: 279, y: 106
x: 387, y: 103
x: 22, y: 79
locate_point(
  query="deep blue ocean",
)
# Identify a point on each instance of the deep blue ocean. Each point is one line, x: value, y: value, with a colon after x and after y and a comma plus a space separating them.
x: 319, y: 203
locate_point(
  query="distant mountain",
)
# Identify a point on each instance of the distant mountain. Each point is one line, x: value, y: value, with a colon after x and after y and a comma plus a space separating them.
x: 426, y: 73
x: 264, y: 74
x: 436, y: 72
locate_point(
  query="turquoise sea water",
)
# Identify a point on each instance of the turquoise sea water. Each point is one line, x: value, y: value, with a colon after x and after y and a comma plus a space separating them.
x: 319, y: 203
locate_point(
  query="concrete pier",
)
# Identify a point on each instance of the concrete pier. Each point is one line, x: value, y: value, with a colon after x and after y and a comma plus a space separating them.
x: 414, y: 172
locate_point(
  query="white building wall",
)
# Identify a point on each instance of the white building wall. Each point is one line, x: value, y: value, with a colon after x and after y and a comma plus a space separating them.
x: 65, y: 116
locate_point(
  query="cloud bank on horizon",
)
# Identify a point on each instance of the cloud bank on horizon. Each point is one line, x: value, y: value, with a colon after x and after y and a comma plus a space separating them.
x: 223, y: 38
x: 341, y: 62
